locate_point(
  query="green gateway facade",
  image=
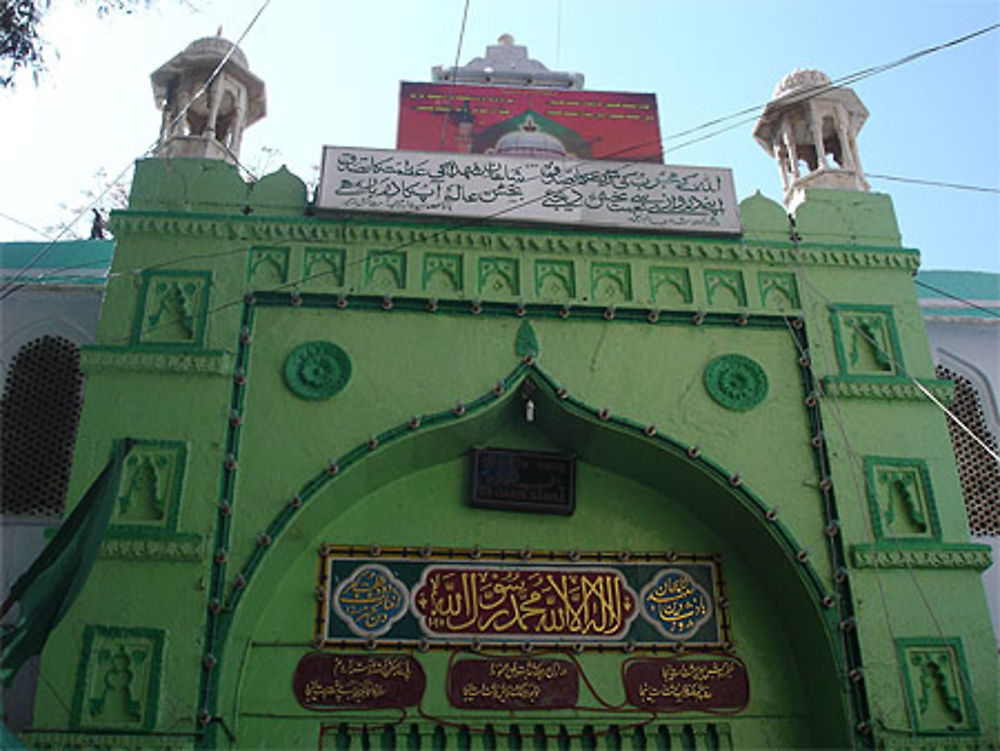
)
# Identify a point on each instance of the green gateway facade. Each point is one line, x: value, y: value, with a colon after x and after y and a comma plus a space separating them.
x: 751, y: 429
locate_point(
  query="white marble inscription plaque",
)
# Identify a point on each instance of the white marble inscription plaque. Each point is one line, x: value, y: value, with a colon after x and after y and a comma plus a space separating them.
x: 633, y: 195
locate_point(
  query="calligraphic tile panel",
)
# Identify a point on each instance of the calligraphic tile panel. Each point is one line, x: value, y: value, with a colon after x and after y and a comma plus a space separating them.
x: 446, y: 597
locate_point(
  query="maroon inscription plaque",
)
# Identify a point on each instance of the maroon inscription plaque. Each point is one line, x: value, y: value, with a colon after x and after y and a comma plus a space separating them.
x: 361, y: 681
x: 515, y: 683
x: 683, y: 684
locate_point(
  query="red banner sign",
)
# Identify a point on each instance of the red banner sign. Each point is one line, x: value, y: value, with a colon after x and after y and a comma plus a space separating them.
x: 362, y: 681
x: 529, y: 122
x: 677, y: 685
x: 537, y: 602
x: 513, y: 684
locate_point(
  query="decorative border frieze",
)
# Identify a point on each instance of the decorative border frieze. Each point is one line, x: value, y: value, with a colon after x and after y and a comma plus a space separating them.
x: 180, y: 547
x: 59, y: 741
x: 500, y: 239
x: 95, y: 359
x: 873, y: 387
x: 944, y: 555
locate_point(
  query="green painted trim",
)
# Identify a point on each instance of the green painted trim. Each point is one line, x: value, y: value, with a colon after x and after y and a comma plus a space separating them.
x: 333, y: 258
x: 783, y: 282
x: 678, y: 277
x: 919, y: 554
x: 886, y: 387
x: 895, y: 356
x: 101, y: 359
x: 200, y: 317
x: 90, y: 634
x: 938, y: 642
x: 871, y: 465
x: 725, y: 279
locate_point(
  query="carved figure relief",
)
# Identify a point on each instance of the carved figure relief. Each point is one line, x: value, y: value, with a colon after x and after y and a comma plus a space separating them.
x: 900, y: 499
x: 936, y: 685
x: 173, y: 308
x: 866, y: 341
x: 150, y: 485
x: 119, y: 678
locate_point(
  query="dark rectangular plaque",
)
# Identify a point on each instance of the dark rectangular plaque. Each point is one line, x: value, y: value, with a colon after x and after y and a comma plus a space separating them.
x: 515, y: 683
x: 538, y: 481
x: 685, y: 684
x: 323, y: 680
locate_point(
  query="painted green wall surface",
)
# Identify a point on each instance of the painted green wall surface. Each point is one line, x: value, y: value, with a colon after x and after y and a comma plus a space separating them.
x: 299, y: 380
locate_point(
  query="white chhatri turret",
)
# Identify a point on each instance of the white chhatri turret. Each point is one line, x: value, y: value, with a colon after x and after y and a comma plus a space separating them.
x: 507, y: 64
x: 810, y: 127
x: 210, y: 125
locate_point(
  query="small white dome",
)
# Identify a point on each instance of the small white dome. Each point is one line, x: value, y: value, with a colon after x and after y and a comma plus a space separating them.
x: 800, y: 79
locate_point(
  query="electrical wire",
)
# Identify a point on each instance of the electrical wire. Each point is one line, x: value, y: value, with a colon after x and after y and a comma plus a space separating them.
x: 934, y: 183
x: 963, y: 300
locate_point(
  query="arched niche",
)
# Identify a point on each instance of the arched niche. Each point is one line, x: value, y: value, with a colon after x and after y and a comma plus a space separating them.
x: 638, y: 490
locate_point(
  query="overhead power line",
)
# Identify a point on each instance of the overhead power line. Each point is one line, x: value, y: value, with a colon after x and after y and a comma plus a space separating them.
x: 934, y: 183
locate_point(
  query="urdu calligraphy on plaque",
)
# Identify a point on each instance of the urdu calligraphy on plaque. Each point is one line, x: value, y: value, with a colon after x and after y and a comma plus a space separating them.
x: 634, y: 195
x: 684, y: 684
x: 324, y: 680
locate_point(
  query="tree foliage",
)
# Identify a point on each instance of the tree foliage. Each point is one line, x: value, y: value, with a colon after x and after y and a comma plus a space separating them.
x: 19, y: 43
x: 21, y: 46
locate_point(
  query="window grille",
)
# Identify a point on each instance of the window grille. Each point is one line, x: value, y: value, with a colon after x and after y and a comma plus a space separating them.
x: 38, y: 418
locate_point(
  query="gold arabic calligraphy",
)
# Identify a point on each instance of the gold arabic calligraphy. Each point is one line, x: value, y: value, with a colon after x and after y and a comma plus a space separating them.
x: 491, y: 601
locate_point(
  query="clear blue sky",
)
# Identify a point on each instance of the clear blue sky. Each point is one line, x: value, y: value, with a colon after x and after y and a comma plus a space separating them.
x: 332, y: 72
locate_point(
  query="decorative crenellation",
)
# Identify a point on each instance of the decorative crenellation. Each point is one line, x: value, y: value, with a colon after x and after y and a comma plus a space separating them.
x: 875, y: 387
x: 936, y: 677
x: 118, y: 682
x: 900, y: 499
x: 943, y: 555
x: 97, y: 359
x: 311, y: 230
